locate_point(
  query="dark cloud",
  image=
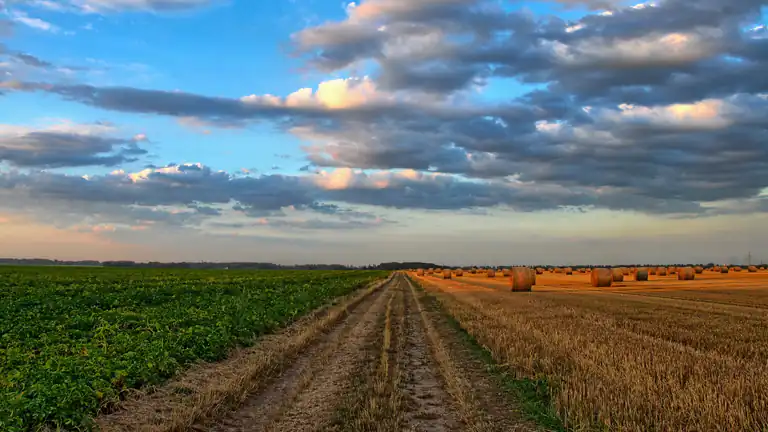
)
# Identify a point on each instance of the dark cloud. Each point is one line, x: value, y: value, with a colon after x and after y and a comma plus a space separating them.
x: 52, y: 149
x: 31, y: 60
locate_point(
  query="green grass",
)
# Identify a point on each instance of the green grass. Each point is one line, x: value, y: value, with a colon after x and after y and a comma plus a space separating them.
x: 73, y: 341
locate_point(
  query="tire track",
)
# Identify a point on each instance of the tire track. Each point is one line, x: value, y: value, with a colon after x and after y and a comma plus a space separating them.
x: 301, y: 398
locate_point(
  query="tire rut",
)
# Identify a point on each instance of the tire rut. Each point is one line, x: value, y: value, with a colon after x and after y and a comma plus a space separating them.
x: 300, y: 399
x: 430, y: 407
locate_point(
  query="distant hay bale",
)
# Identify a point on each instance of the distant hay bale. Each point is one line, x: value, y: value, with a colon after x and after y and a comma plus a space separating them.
x: 618, y: 275
x: 558, y: 270
x: 420, y: 272
x: 490, y: 273
x: 686, y: 273
x: 625, y: 271
x: 698, y: 269
x: 661, y: 271
x: 521, y: 279
x: 671, y: 270
x: 506, y: 272
x: 473, y: 271
x: 447, y: 274
x: 539, y: 270
x: 641, y: 274
x: 736, y: 268
x: 533, y: 276
x: 752, y: 269
x: 459, y: 272
x: 716, y: 268
x: 723, y: 269
x: 601, y: 277
x: 652, y: 271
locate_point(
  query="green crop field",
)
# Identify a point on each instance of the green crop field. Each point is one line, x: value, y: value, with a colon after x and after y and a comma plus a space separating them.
x: 74, y: 340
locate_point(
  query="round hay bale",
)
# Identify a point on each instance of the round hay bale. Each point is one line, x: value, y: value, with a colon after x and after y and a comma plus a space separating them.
x: 624, y: 271
x: 446, y: 274
x: 618, y: 275
x: 641, y: 274
x: 661, y: 271
x: 459, y: 272
x: 539, y: 270
x: 736, y: 268
x: 533, y: 276
x: 723, y: 269
x: 686, y: 273
x: 698, y: 269
x: 652, y: 271
x: 521, y: 279
x: 716, y: 268
x: 506, y: 272
x: 490, y: 273
x: 601, y: 277
x: 752, y: 269
x: 420, y: 272
x: 568, y: 271
x: 671, y: 270
x: 558, y: 270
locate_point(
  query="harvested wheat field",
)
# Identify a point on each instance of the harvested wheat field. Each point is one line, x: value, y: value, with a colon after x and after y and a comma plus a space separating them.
x: 382, y: 359
x: 662, y: 355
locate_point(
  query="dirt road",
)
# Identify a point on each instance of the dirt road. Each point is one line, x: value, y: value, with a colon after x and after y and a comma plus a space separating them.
x: 386, y: 367
x: 389, y: 362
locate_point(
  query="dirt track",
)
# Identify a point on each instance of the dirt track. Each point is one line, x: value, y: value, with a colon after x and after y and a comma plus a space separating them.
x: 390, y: 362
x: 383, y: 368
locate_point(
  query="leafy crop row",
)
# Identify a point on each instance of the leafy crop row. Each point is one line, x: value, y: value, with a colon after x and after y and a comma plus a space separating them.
x: 73, y: 341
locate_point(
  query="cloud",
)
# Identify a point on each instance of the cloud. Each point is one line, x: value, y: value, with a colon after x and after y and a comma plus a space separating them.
x: 657, y: 109
x: 35, y: 23
x: 66, y: 145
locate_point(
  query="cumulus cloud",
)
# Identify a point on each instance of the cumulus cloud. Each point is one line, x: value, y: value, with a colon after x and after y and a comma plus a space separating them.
x: 657, y: 108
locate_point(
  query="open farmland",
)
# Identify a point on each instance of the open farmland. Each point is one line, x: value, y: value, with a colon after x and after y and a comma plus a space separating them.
x: 657, y: 355
x: 226, y: 351
x: 74, y: 341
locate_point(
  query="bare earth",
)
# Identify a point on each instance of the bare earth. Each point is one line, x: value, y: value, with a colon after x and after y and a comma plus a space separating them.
x: 386, y: 361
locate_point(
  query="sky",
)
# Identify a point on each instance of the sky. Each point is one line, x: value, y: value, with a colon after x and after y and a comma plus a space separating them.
x: 453, y: 131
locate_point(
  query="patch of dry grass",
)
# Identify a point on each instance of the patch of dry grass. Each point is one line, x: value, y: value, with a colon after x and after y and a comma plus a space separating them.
x: 626, y: 362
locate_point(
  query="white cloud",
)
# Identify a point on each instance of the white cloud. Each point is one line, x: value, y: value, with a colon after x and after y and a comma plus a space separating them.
x: 35, y: 23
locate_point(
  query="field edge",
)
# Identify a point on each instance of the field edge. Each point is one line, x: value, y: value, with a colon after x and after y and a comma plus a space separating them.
x: 533, y: 396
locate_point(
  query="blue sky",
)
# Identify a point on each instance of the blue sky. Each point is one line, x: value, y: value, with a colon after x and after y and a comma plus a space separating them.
x: 132, y: 130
